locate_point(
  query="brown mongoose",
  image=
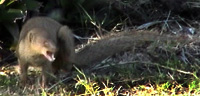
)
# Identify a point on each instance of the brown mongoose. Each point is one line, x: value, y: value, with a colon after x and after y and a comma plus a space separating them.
x: 44, y: 43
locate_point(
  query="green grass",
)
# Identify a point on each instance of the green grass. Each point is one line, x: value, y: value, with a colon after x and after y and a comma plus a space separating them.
x: 122, y: 81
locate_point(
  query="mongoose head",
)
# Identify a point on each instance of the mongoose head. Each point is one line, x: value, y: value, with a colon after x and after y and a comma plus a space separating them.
x: 42, y: 43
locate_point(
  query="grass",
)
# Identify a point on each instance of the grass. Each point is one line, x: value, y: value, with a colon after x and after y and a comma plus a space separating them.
x: 138, y: 79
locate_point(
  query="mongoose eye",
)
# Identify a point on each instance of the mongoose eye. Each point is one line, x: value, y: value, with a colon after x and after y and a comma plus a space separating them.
x: 46, y: 44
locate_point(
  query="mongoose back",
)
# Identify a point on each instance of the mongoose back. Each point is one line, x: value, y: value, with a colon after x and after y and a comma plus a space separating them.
x: 44, y: 43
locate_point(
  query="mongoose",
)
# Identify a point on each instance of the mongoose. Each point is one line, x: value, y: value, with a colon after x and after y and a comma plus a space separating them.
x: 47, y: 44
